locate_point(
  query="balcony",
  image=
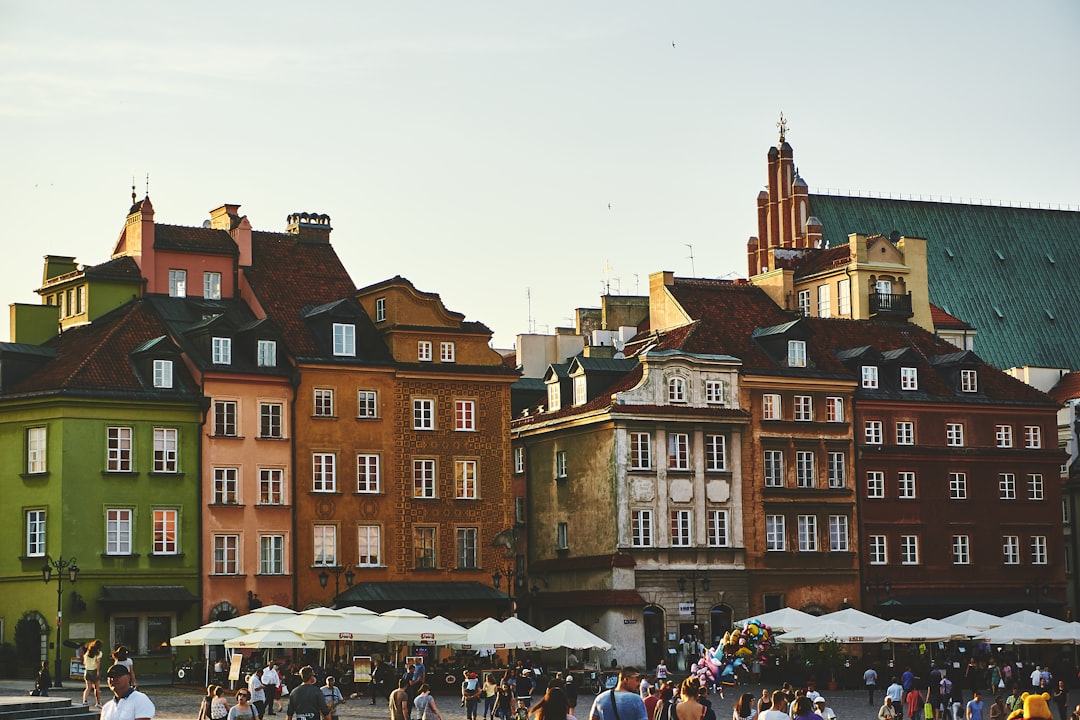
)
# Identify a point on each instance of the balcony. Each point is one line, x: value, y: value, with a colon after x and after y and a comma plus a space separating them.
x: 890, y: 305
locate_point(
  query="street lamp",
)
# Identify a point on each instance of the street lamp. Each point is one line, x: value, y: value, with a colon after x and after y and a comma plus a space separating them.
x: 1039, y: 592
x: 876, y: 586
x: 496, y: 579
x: 693, y: 579
x: 324, y: 577
x: 60, y: 566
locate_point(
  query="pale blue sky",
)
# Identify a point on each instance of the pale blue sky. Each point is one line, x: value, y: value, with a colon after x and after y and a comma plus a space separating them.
x: 474, y: 147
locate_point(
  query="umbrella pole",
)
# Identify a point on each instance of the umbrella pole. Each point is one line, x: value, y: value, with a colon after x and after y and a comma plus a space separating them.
x: 206, y: 664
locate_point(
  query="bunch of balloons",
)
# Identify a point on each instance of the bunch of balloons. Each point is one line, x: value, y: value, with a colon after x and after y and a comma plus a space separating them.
x: 737, y: 649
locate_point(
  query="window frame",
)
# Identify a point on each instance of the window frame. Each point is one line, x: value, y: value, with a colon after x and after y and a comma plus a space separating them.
x: 909, y: 550
x: 772, y: 406
x: 715, y: 453
x: 163, y: 374
x: 37, y: 450
x: 1006, y: 486
x: 166, y: 459
x: 678, y: 452
x: 909, y: 378
x: 344, y: 339
x: 322, y: 402
x: 211, y: 290
x: 466, y: 479
x: 796, y: 353
x: 466, y: 540
x: 872, y: 432
x: 805, y: 469
x: 714, y: 392
x: 642, y: 527
x: 424, y: 351
x: 839, y: 533
x: 878, y: 550
x: 870, y: 380
x: 226, y: 481
x: 272, y: 554
x: 324, y: 472
x: 961, y: 549
x: 464, y: 415
x: 36, y: 532
x: 560, y: 464
x: 423, y: 414
x: 1032, y: 437
x: 906, y: 488
x: 680, y: 527
x: 718, y: 528
x: 772, y: 465
x: 954, y: 434
x: 1036, y: 487
x: 775, y: 533
x: 366, y: 536
x: 905, y: 432
x: 676, y: 390
x: 119, y: 531
x: 1039, y: 552
x: 226, y: 418
x: 958, y: 487
x: 804, y: 408
x: 424, y: 479
x: 119, y: 450
x: 166, y: 522
x: 824, y: 301
x: 324, y: 545
x: 1010, y: 549
x: 266, y: 353
x: 837, y: 470
x: 221, y: 350
x: 969, y: 381
x: 834, y: 409
x: 380, y: 309
x: 875, y: 484
x: 271, y: 420
x: 425, y: 547
x: 807, y: 533
x: 226, y: 554
x: 447, y: 352
x: 640, y: 451
x: 1003, y: 435
x: 368, y: 474
x: 177, y: 282
x: 271, y: 486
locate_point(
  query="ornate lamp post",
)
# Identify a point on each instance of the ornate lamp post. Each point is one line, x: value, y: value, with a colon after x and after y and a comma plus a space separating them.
x: 338, y: 570
x: 60, y: 566
x: 694, y: 578
x: 496, y: 579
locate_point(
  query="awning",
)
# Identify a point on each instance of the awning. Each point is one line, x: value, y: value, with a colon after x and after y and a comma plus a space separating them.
x: 932, y: 605
x: 146, y: 597
x: 423, y: 596
x: 590, y: 599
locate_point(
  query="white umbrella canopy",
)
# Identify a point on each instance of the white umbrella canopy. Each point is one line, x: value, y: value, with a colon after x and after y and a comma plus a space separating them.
x: 974, y: 619
x: 851, y: 616
x: 822, y: 629
x: 898, y: 631
x: 525, y: 634
x: 214, y: 633
x: 937, y: 628
x: 1035, y: 620
x: 353, y: 610
x: 327, y: 624
x: 1069, y: 633
x: 1016, y: 633
x: 260, y: 617
x: 409, y: 626
x: 488, y: 634
x: 570, y: 635
x: 273, y: 639
x: 780, y: 620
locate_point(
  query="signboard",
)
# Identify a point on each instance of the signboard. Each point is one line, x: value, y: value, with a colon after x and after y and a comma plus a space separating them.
x: 361, y: 667
x: 235, y: 666
x: 686, y: 608
x: 427, y: 638
x: 629, y: 621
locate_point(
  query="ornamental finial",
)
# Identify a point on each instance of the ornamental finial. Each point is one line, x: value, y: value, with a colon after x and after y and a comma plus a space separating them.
x: 783, y: 127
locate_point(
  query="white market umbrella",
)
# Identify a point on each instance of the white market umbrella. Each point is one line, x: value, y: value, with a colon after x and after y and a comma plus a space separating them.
x: 974, y: 619
x: 851, y: 616
x: 525, y: 634
x: 1016, y: 633
x: 326, y: 624
x: 488, y: 634
x: 780, y: 620
x: 415, y: 628
x: 823, y: 629
x: 898, y: 631
x: 260, y: 617
x: 1068, y: 634
x: 356, y: 610
x: 571, y: 636
x: 214, y: 633
x: 937, y: 628
x: 1035, y: 620
x: 273, y: 639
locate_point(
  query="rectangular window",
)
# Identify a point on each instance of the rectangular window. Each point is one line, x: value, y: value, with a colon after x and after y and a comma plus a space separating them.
x: 957, y: 486
x: 272, y: 555
x: 879, y: 550
x: 714, y: 392
x: 324, y: 546
x: 367, y: 404
x: 367, y: 473
x: 226, y: 554
x: 954, y: 434
x: 796, y: 353
x: 165, y: 449
x: 271, y: 486
x: 834, y: 409
x: 715, y: 453
x: 211, y: 285
x: 837, y: 470
x: 906, y: 485
x: 465, y: 480
x: 678, y: 451
x: 446, y: 352
x: 1038, y: 550
x: 969, y: 381
x: 560, y: 464
x: 1010, y: 549
x: 873, y: 432
x: 1035, y: 487
x: 581, y: 390
x: 1032, y: 436
x: 226, y: 486
x: 774, y: 468
x: 519, y: 460
x: 770, y: 407
x: 222, y: 351
x: 909, y: 549
x: 466, y: 548
x: 424, y: 548
x: 370, y: 545
x: 843, y: 297
x: 775, y: 533
x: 875, y: 484
x: 35, y: 533
x: 804, y: 303
x: 323, y: 472
x: 324, y: 402
x: 562, y: 536
x: 423, y: 414
x: 680, y: 528
x: 225, y: 418
x: 1004, y: 436
x: 676, y: 390
x: 804, y: 469
x: 380, y: 309
x: 869, y: 377
x: 118, y: 531
x: 641, y: 528
x: 718, y: 528
x: 640, y: 451
x: 166, y: 525
x: 909, y: 378
x: 344, y: 340
x: 163, y: 375
x: 266, y: 355
x: 1007, y: 486
x: 905, y: 433
x: 519, y: 510
x: 464, y: 415
x: 118, y: 449
x: 424, y: 478
x: 36, y: 450
x: 270, y: 420
x: 961, y: 550
x: 178, y: 283
x: 423, y: 351
x: 808, y: 540
x: 804, y: 408
x: 824, y: 306
x: 839, y: 537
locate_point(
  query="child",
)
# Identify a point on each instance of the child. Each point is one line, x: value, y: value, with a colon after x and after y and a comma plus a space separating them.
x: 522, y: 712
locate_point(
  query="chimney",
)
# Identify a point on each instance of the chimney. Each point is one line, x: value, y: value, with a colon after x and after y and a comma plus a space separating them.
x: 228, y: 218
x: 785, y: 180
x: 752, y: 265
x: 311, y: 227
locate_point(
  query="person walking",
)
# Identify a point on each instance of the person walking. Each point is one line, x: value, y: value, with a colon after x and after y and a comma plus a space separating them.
x: 887, y: 711
x: 258, y: 693
x: 552, y: 706
x: 488, y: 691
x: 122, y: 656
x: 243, y: 709
x: 219, y: 706
x: 332, y: 695
x: 306, y: 702
x: 870, y: 679
x: 1061, y: 700
x: 127, y: 703
x: 425, y: 704
x: 399, y: 700
x: 43, y: 681
x: 975, y: 707
x: 91, y: 673
x: 622, y: 702
x: 470, y: 694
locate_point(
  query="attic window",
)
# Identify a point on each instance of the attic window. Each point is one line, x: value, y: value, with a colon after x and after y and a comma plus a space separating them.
x: 997, y: 311
x: 999, y: 255
x: 344, y: 339
x: 676, y: 390
x: 163, y: 374
x: 1049, y: 314
x: 796, y: 353
x: 222, y: 351
x: 1050, y: 258
x: 267, y: 353
x: 949, y: 252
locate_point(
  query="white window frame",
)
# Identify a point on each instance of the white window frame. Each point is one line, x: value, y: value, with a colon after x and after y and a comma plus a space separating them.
x: 221, y: 350
x: 824, y: 301
x: 367, y: 473
x: 958, y: 486
x: 676, y: 389
x: 837, y: 470
x: 715, y: 453
x: 804, y: 408
x: 226, y: 486
x: 467, y: 548
x: 369, y: 545
x: 272, y: 554
x: 37, y: 450
x: 875, y: 484
x: 969, y: 381
x: 324, y: 472
x: 465, y: 416
x: 714, y: 392
x: 961, y: 550
x: 905, y: 432
x: 36, y: 532
x: 773, y: 468
x: 271, y: 419
x: 641, y: 528
x: 771, y: 407
x: 1006, y: 486
x: 873, y: 432
x: 163, y: 374
x: 870, y: 377
x: 1035, y: 487
x: 380, y: 310
x: 581, y: 390
x: 839, y: 533
x: 211, y: 285
x: 878, y: 549
x: 324, y: 545
x: 834, y: 409
x: 1003, y: 436
x: 166, y: 538
x: 423, y: 351
x: 719, y: 525
x: 796, y: 353
x: 177, y: 283
x: 1032, y: 437
x: 423, y: 414
x: 954, y: 434
x: 905, y: 485
x: 226, y: 418
x: 843, y: 297
x: 679, y: 452
x: 426, y: 547
x: 562, y: 536
x: 519, y: 460
x: 226, y: 549
x: 424, y: 486
x: 775, y: 533
x: 640, y: 451
x: 803, y: 300
x: 447, y: 352
x: 466, y: 479
x: 267, y: 353
x: 805, y: 469
x: 909, y: 378
x: 166, y: 444
x: 560, y: 464
x: 271, y: 486
x: 1038, y: 550
x: 1010, y: 550
x: 909, y: 549
x: 681, y: 531
x: 118, y: 448
x: 118, y: 531
x: 323, y: 399
x: 344, y: 340
x: 807, y: 532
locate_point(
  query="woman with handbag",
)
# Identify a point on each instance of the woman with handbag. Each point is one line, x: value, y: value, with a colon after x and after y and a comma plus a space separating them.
x: 425, y: 703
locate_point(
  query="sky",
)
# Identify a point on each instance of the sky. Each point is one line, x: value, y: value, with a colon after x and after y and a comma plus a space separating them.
x: 520, y: 159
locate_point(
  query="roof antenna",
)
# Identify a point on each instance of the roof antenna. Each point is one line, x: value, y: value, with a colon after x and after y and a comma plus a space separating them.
x: 531, y: 323
x: 693, y: 272
x: 133, y: 187
x: 607, y: 277
x: 147, y: 184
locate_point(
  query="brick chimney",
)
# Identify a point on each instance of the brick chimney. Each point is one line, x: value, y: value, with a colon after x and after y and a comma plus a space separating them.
x: 228, y: 218
x: 311, y: 227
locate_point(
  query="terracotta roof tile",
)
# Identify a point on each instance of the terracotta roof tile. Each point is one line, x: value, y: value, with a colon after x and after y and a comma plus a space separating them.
x: 942, y: 319
x: 121, y: 268
x: 181, y: 238
x: 1067, y: 388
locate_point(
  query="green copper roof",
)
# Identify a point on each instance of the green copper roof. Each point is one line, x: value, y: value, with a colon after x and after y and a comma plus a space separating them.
x: 1009, y: 272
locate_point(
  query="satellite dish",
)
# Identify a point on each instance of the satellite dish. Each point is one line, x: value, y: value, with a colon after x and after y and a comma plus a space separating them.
x: 894, y: 237
x: 206, y: 224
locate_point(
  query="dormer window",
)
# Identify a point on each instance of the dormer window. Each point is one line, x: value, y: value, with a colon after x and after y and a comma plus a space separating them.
x: 222, y: 351
x: 909, y: 378
x: 554, y: 400
x: 267, y: 353
x: 423, y: 351
x: 796, y: 353
x: 380, y: 309
x: 447, y: 352
x: 969, y: 381
x: 344, y: 340
x: 676, y: 390
x: 163, y: 374
x: 714, y: 392
x: 212, y: 285
x: 870, y: 376
x: 580, y: 390
x: 178, y: 283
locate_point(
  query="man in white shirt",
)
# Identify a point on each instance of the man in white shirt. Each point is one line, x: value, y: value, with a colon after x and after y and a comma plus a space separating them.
x: 823, y: 710
x: 127, y: 703
x: 270, y: 679
x: 778, y: 709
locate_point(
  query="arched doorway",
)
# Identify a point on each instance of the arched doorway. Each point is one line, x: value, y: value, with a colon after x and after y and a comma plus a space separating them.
x: 32, y: 639
x: 655, y: 640
x: 721, y: 618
